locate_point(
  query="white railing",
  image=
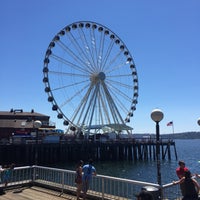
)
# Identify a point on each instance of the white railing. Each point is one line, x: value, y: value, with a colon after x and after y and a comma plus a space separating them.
x: 104, y: 187
x: 20, y: 175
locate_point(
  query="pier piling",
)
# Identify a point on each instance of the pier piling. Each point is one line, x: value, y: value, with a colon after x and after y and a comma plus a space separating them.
x: 73, y: 151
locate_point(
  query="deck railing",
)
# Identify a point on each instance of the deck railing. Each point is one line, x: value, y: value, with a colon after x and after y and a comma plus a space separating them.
x: 103, y: 187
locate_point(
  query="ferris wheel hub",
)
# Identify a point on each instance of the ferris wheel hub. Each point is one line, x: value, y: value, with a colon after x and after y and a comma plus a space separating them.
x: 95, y: 78
x: 102, y: 76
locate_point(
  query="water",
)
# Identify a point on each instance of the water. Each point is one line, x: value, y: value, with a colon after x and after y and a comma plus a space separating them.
x: 187, y: 150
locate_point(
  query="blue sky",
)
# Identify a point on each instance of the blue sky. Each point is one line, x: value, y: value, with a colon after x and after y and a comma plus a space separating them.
x: 162, y: 36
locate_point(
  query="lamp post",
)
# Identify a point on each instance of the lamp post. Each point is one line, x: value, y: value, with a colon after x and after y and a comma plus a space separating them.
x: 37, y: 124
x: 157, y: 115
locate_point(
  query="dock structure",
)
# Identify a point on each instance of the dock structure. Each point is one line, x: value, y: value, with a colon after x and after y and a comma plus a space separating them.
x: 131, y: 150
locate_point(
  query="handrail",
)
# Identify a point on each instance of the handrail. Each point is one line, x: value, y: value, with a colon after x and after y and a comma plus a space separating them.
x: 103, y: 187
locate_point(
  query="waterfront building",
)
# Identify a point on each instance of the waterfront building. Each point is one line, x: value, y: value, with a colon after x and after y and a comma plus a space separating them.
x: 17, y: 122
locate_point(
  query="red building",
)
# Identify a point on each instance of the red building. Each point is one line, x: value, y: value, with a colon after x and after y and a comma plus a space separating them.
x: 17, y: 121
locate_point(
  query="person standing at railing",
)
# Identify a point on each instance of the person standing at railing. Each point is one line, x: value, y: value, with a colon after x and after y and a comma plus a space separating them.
x: 180, y: 172
x: 88, y: 171
x: 191, y: 186
x: 1, y: 169
x: 7, y: 173
x: 78, y: 178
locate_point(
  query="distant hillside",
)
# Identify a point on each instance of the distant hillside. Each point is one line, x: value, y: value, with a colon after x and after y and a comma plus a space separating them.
x: 185, y: 135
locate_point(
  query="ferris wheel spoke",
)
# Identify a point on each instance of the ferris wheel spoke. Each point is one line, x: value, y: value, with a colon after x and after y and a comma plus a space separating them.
x: 69, y: 64
x: 113, y: 59
x: 119, y: 92
x: 85, y: 59
x: 112, y: 111
x: 81, y: 107
x: 112, y: 82
x: 78, y: 57
x: 107, y: 54
x: 73, y: 96
x: 120, y: 103
x: 87, y: 105
x: 111, y: 103
x: 101, y: 118
x: 90, y: 107
x: 90, y: 55
x: 58, y: 73
x: 118, y: 76
x: 94, y: 100
x: 77, y: 46
x: 101, y: 49
x: 102, y: 110
x: 115, y: 67
x: 68, y: 86
x: 94, y: 47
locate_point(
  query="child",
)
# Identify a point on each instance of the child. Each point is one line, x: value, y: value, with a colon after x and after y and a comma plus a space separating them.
x: 7, y: 171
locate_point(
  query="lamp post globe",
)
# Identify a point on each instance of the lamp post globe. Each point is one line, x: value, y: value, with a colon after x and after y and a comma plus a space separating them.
x: 198, y: 121
x: 37, y: 124
x: 157, y: 115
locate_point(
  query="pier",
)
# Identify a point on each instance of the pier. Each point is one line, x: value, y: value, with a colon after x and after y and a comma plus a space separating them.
x: 131, y: 150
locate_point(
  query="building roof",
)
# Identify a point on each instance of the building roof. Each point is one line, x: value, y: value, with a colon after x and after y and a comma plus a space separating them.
x: 19, y: 112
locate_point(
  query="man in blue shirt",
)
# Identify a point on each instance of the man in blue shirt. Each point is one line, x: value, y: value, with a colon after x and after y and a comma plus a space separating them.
x: 88, y: 170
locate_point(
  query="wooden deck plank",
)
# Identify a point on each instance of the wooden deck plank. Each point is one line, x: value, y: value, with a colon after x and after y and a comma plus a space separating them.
x: 41, y: 193
x: 35, y: 193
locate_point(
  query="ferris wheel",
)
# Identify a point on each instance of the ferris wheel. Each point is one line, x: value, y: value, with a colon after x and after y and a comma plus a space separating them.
x: 90, y: 78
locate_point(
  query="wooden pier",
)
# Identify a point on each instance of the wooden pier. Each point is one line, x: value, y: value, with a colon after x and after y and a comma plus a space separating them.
x: 35, y: 193
x: 75, y: 150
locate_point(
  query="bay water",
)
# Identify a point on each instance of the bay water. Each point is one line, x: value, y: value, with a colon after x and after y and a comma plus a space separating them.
x: 187, y: 150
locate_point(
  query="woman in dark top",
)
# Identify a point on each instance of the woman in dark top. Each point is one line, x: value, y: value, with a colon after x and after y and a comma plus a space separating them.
x: 78, y: 178
x: 191, y: 187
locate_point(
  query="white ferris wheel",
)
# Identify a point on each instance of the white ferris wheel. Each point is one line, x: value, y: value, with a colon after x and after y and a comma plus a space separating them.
x: 90, y: 78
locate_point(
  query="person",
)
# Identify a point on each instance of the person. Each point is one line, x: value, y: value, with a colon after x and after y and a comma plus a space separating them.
x: 191, y: 186
x: 7, y: 172
x: 78, y: 179
x: 88, y: 171
x: 1, y: 170
x: 180, y: 172
x: 144, y: 195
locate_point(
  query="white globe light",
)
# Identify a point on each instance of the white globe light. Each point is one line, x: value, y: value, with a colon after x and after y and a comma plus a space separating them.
x: 198, y: 121
x: 157, y: 115
x: 37, y: 124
